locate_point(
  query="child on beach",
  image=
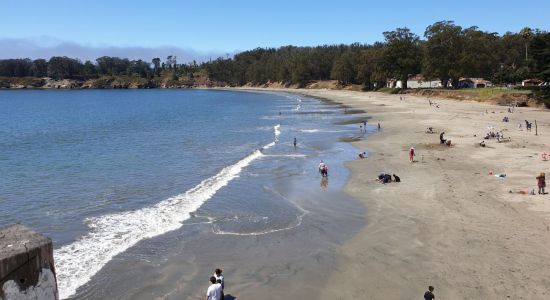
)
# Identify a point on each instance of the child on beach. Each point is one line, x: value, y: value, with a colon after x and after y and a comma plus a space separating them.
x: 541, y: 182
x: 411, y: 154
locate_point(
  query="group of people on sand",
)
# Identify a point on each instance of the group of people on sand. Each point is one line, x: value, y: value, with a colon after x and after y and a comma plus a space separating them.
x: 387, y: 178
x: 215, y: 290
x: 499, y: 135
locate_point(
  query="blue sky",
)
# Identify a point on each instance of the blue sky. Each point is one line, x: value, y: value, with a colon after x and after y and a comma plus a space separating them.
x: 217, y: 27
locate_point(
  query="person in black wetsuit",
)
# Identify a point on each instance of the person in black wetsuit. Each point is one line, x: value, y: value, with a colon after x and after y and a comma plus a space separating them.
x: 441, y: 139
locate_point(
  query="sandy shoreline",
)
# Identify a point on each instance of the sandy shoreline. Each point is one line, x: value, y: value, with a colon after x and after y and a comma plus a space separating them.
x: 448, y: 223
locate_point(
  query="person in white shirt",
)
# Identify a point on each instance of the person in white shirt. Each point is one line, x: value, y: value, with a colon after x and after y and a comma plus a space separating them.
x: 214, y: 291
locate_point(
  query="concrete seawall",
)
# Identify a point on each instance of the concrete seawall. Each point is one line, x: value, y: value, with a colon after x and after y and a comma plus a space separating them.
x: 26, y: 265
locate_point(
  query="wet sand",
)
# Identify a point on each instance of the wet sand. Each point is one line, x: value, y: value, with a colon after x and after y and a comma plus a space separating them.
x: 448, y: 223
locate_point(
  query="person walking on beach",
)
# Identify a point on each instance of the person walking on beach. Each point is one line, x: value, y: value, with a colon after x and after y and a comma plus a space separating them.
x: 378, y: 126
x: 541, y: 182
x: 429, y: 294
x: 411, y: 154
x: 214, y: 291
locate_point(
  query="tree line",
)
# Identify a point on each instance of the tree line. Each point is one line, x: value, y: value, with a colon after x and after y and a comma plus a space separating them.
x: 62, y: 67
x: 446, y: 52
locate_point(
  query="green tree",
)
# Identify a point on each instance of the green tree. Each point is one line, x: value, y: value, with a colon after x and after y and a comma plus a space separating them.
x: 527, y: 34
x: 443, y: 50
x: 540, y: 46
x: 479, y: 57
x: 39, y: 68
x: 89, y: 69
x: 401, y: 54
x: 156, y: 65
x: 343, y: 69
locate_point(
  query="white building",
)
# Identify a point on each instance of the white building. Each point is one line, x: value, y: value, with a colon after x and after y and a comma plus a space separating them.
x: 418, y: 82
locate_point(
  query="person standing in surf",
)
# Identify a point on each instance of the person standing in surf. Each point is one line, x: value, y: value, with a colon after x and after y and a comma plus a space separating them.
x: 295, y: 142
x: 323, y: 169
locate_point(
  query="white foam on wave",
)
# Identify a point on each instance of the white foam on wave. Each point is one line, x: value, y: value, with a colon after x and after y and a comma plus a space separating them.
x: 268, y: 146
x: 112, y: 234
x: 298, y: 107
x: 310, y: 130
x: 277, y: 131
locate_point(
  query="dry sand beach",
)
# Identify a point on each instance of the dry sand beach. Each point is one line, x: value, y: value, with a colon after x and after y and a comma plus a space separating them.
x: 448, y: 223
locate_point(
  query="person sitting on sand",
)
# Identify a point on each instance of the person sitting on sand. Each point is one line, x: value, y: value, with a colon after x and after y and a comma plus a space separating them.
x: 387, y: 178
x: 214, y: 291
x: 441, y: 139
x: 396, y: 178
x: 482, y: 143
x: 541, y: 182
x: 430, y: 130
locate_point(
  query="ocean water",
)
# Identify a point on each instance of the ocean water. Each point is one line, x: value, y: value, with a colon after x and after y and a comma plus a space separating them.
x: 100, y: 171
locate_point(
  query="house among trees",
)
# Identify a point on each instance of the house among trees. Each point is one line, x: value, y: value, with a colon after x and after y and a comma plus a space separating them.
x: 414, y: 82
x: 474, y: 83
x: 419, y: 82
x: 531, y: 82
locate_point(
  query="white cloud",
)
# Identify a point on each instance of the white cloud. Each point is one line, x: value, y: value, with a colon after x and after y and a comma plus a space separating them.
x: 46, y: 47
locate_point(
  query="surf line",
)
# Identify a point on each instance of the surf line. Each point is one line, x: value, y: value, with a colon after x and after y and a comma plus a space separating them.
x: 112, y: 234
